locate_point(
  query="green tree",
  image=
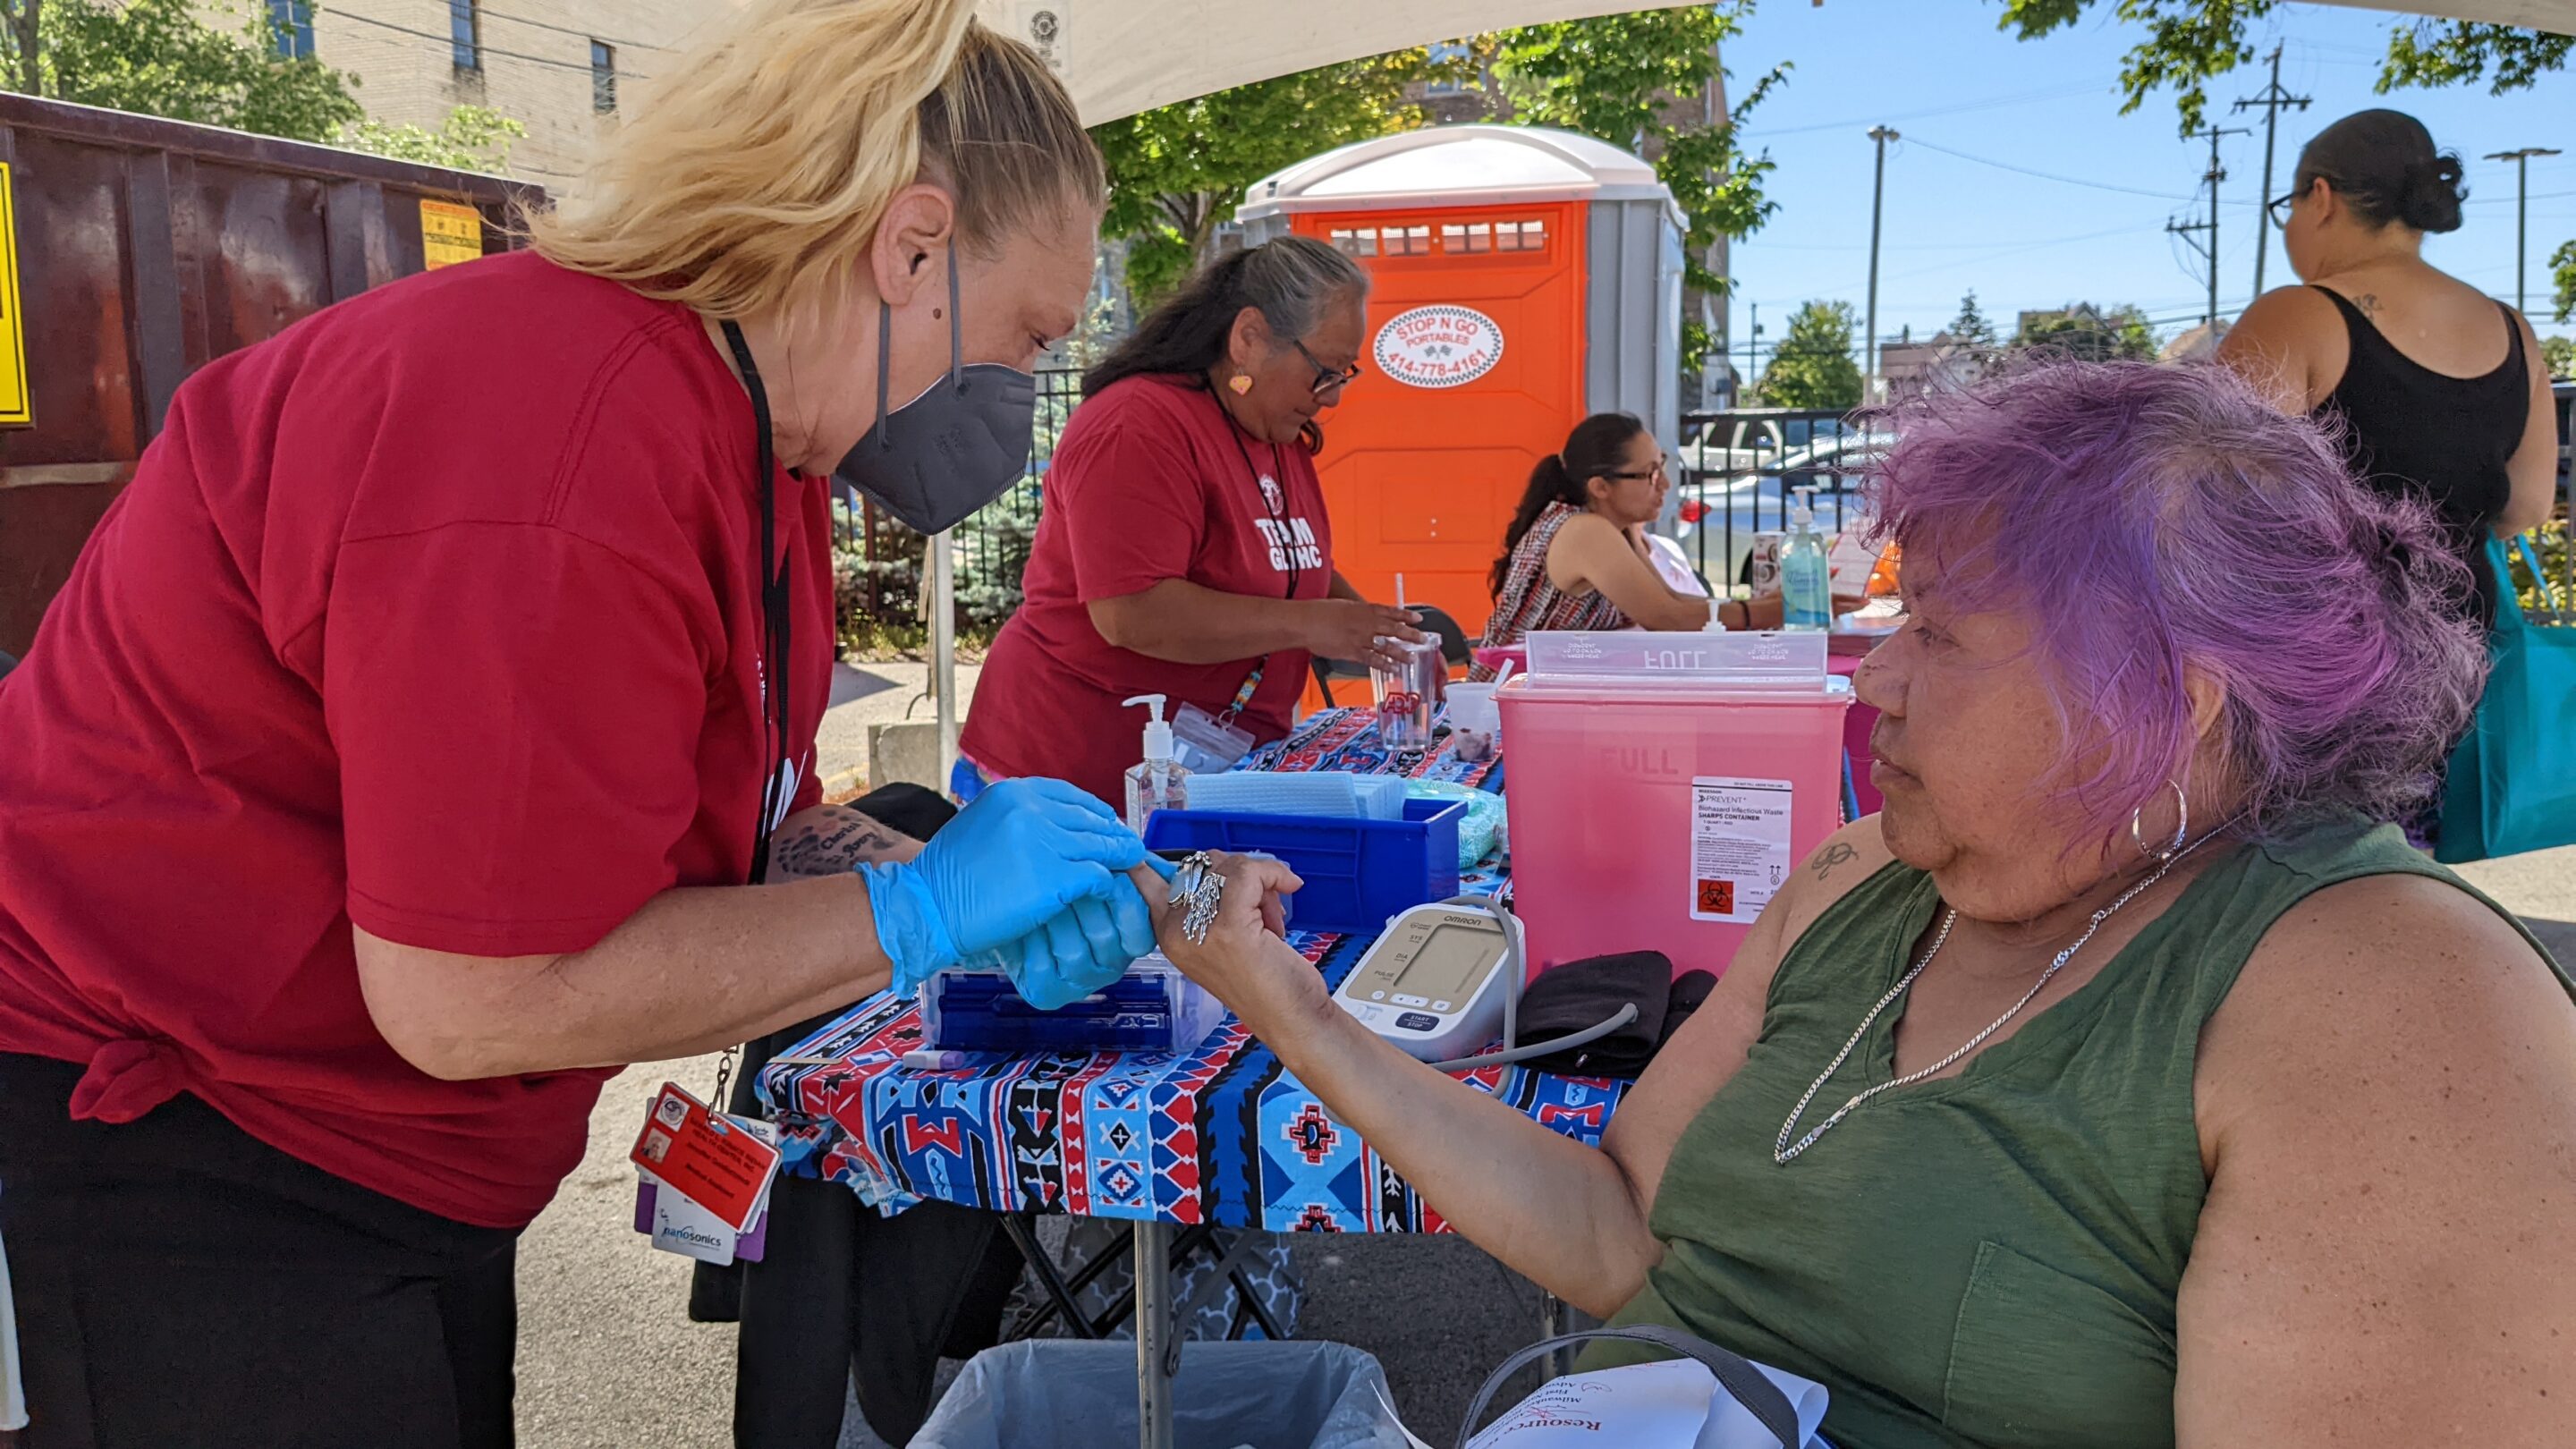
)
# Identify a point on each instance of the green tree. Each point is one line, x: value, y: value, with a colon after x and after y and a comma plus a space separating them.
x: 1813, y: 367
x: 1177, y: 171
x: 2562, y: 266
x: 158, y: 57
x: 2189, y: 43
x: 1640, y: 82
x: 161, y: 58
x: 2560, y: 355
x: 2089, y: 333
x: 473, y: 138
x: 1970, y: 327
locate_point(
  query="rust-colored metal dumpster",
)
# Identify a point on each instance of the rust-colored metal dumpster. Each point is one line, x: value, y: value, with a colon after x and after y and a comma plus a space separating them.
x: 145, y: 248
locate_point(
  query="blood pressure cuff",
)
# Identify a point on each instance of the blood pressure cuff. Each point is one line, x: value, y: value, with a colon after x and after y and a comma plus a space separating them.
x: 1582, y: 994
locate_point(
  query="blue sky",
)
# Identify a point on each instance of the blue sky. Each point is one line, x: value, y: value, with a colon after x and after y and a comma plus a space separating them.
x: 1943, y: 75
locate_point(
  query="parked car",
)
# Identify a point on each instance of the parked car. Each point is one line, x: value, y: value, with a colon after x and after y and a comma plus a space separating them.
x: 1719, y: 514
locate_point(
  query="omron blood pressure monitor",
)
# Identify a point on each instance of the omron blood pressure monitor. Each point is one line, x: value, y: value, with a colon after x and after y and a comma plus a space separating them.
x: 1434, y: 981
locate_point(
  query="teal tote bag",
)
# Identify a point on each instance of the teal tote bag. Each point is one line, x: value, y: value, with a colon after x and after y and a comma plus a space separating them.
x: 2512, y: 785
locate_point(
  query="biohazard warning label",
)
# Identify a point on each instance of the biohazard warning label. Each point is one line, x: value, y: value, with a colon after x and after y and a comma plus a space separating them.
x: 1739, y: 847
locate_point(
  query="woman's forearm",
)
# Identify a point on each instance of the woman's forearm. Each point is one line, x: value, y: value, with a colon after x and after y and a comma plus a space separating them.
x: 1187, y: 623
x: 695, y: 969
x: 1561, y: 1214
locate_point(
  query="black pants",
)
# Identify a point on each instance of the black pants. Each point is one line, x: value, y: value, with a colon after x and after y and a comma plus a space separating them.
x: 180, y: 1284
x: 845, y: 1297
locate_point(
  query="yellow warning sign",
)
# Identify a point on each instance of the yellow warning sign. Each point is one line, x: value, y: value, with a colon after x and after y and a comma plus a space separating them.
x: 15, y: 411
x: 449, y: 234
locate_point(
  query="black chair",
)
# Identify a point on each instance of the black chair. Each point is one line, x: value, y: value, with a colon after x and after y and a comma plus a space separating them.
x: 1455, y: 648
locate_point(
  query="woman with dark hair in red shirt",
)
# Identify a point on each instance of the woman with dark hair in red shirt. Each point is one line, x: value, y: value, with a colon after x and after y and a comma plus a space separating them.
x: 1184, y: 549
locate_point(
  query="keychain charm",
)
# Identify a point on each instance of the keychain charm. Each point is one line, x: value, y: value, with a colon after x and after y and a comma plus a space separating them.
x: 1197, y: 888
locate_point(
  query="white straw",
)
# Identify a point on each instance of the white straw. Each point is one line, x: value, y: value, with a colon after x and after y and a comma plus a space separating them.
x: 1503, y: 674
x: 1399, y: 591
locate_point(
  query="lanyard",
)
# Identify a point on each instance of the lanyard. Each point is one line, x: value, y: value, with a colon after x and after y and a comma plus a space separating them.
x: 773, y: 616
x: 1287, y: 546
x: 1278, y: 517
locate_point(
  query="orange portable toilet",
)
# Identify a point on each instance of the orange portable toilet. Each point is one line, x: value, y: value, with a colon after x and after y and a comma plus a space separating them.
x: 1521, y: 278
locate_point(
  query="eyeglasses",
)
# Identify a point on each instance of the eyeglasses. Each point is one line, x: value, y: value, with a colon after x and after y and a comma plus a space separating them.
x: 1662, y: 467
x: 1326, y: 378
x: 2280, y: 206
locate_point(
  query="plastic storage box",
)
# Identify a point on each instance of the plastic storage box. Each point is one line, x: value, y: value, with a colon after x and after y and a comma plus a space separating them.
x: 1153, y: 1008
x: 1663, y: 786
x: 1357, y: 872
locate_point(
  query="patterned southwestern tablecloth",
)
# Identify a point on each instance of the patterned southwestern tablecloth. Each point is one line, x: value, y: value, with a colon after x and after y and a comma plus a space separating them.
x: 1223, y: 1135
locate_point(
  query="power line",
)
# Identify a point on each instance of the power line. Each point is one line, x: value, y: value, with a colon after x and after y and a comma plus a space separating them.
x: 2051, y: 176
x: 1760, y: 133
x: 449, y: 41
x: 563, y: 29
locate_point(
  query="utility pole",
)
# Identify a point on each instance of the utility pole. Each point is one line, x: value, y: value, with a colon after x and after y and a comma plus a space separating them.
x: 2213, y: 176
x: 1877, y: 199
x: 2273, y: 100
x: 2521, y: 185
x: 1752, y: 345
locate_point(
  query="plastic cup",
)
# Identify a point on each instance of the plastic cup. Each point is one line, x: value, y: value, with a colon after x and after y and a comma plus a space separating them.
x: 1407, y: 694
x: 1475, y: 721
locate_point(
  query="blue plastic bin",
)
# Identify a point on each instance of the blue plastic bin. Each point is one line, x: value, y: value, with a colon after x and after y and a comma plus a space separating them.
x: 1357, y: 872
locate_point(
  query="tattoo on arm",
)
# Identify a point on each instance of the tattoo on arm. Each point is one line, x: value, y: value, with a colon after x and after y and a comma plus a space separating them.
x: 1838, y: 853
x: 842, y: 841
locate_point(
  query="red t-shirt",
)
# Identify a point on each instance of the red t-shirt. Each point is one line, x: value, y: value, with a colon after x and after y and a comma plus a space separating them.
x: 440, y: 613
x: 1149, y: 483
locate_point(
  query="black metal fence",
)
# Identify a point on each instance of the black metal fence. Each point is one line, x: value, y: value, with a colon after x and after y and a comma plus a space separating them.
x: 1739, y: 473
x: 879, y: 565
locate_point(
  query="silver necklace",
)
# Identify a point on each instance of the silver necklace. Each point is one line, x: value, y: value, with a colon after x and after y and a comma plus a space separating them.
x: 1782, y: 1150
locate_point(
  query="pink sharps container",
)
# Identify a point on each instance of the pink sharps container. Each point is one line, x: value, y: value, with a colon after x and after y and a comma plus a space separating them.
x: 1663, y: 786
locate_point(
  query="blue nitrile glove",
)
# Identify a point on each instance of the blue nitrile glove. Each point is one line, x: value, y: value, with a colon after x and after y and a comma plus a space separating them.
x: 1032, y: 875
x: 1082, y: 949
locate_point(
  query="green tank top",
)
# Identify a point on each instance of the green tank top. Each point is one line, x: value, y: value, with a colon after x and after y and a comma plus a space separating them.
x: 1989, y: 1259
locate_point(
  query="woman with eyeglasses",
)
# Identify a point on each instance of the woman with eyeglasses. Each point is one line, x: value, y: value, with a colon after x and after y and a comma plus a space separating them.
x: 2435, y: 387
x: 1576, y: 555
x: 1183, y: 550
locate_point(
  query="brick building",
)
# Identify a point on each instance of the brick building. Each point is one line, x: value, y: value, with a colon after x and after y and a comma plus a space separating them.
x: 565, y: 69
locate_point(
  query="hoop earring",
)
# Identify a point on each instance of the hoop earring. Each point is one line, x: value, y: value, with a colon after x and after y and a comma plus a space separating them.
x: 1239, y: 384
x: 2182, y: 826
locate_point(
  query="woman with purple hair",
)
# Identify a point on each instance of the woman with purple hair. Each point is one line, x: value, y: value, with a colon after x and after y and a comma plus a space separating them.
x: 2128, y: 1081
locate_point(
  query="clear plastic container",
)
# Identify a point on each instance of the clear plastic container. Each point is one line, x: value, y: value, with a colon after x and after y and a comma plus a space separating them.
x: 1407, y: 695
x: 1153, y: 1008
x: 1664, y: 785
x: 1475, y: 722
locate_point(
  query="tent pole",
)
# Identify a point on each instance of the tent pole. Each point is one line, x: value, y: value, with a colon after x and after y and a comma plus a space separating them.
x: 943, y: 649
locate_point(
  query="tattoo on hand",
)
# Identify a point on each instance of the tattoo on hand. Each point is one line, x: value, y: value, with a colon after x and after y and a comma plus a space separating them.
x: 1838, y: 853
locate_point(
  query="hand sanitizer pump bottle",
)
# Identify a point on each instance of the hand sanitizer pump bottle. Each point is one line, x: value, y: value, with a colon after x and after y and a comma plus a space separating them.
x: 1158, y: 782
x: 1806, y: 588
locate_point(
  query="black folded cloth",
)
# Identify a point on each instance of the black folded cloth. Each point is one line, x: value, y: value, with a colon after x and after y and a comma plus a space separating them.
x: 1582, y: 994
x: 1690, y: 989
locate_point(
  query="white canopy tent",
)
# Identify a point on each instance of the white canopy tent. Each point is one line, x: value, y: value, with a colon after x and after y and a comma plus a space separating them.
x: 1119, y: 57
x: 1124, y: 56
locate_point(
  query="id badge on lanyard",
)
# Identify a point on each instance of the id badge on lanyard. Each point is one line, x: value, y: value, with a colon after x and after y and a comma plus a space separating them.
x: 1209, y: 744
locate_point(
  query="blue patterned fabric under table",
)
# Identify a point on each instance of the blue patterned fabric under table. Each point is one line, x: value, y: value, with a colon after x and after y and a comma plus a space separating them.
x: 1222, y: 1135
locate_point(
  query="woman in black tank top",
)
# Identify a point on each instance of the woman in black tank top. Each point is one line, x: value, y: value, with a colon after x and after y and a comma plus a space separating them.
x: 2432, y: 383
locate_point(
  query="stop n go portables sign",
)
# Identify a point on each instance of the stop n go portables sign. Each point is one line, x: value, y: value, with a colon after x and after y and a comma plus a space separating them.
x: 1438, y: 346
